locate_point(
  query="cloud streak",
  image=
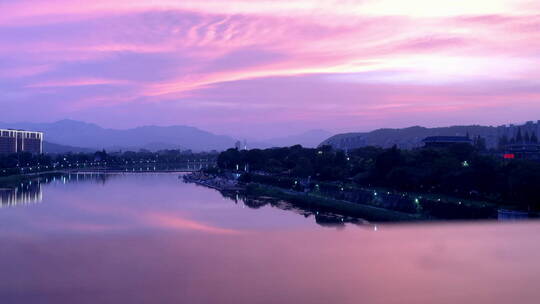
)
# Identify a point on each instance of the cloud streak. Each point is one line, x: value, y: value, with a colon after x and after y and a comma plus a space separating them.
x: 330, y: 57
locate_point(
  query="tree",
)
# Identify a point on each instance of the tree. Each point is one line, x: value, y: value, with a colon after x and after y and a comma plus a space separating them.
x: 527, y: 138
x: 534, y: 138
x: 461, y: 151
x: 303, y: 168
x: 523, y: 180
x: 480, y: 143
x: 519, y: 137
x: 386, y: 161
x: 100, y: 156
x: 229, y: 159
x: 255, y: 159
x: 503, y: 142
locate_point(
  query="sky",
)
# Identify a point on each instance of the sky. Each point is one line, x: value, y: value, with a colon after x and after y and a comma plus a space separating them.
x: 270, y: 68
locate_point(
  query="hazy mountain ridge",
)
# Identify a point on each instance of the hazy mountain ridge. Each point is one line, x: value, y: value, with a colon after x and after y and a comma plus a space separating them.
x: 53, y: 148
x: 75, y: 136
x: 308, y: 139
x: 408, y: 138
x: 91, y: 136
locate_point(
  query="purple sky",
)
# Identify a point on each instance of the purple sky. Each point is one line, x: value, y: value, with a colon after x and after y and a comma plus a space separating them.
x: 269, y: 68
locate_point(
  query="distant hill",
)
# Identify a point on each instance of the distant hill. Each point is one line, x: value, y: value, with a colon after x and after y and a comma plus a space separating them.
x: 53, y: 148
x: 85, y: 135
x: 412, y: 137
x: 309, y: 139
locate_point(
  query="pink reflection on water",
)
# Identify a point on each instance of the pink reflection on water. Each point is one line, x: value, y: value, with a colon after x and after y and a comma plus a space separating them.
x: 179, y: 223
x: 451, y: 263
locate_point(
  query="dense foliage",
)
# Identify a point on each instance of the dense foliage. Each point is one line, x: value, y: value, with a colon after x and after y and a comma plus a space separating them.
x: 460, y: 170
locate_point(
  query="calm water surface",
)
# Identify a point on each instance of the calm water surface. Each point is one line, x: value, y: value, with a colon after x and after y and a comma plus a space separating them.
x: 149, y: 238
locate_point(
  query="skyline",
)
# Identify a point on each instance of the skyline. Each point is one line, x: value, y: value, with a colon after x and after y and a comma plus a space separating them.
x: 270, y: 68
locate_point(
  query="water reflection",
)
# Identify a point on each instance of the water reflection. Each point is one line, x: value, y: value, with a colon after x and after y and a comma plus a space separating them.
x: 152, y: 239
x: 323, y: 218
x: 88, y: 203
x: 421, y: 264
x: 30, y: 192
x: 22, y: 194
x: 95, y: 177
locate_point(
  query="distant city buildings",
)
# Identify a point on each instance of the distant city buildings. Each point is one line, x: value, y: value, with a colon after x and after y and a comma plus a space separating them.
x: 523, y: 145
x: 15, y: 141
x: 241, y: 145
x: 412, y: 137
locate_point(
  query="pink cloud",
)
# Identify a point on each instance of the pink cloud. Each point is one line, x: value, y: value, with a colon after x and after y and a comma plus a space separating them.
x: 356, y: 59
x: 24, y: 71
x: 76, y: 83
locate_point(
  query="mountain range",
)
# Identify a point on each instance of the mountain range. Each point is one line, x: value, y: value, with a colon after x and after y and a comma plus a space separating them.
x: 408, y: 138
x: 90, y: 136
x: 53, y: 148
x: 76, y: 136
x: 309, y: 139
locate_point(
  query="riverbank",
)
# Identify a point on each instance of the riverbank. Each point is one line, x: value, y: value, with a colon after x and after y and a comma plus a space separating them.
x: 21, y: 177
x: 359, y: 200
x: 342, y: 207
x: 310, y: 200
x: 212, y: 181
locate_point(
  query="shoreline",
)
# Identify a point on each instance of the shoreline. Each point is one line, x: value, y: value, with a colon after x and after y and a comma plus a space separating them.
x: 14, y: 180
x: 371, y: 204
x: 370, y: 210
x: 342, y: 207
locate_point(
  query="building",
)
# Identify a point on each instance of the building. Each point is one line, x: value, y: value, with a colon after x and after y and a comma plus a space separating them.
x: 523, y: 145
x: 15, y: 141
x: 241, y: 146
x: 445, y: 141
x: 530, y: 151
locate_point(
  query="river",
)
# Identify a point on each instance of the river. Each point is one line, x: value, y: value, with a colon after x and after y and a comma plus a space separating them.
x: 150, y: 238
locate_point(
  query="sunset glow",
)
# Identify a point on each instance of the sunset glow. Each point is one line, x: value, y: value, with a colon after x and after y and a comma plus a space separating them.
x: 240, y: 67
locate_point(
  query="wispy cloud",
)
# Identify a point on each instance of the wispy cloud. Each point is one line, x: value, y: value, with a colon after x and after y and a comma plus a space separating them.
x: 76, y: 83
x: 331, y: 55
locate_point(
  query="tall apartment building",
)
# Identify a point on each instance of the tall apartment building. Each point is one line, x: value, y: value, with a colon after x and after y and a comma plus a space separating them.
x: 15, y: 141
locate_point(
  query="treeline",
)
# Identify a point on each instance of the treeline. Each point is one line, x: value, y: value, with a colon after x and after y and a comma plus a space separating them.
x: 27, y: 162
x: 458, y: 171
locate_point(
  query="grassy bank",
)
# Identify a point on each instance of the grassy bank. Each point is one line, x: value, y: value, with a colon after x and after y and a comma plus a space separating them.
x: 337, y: 206
x: 428, y: 205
